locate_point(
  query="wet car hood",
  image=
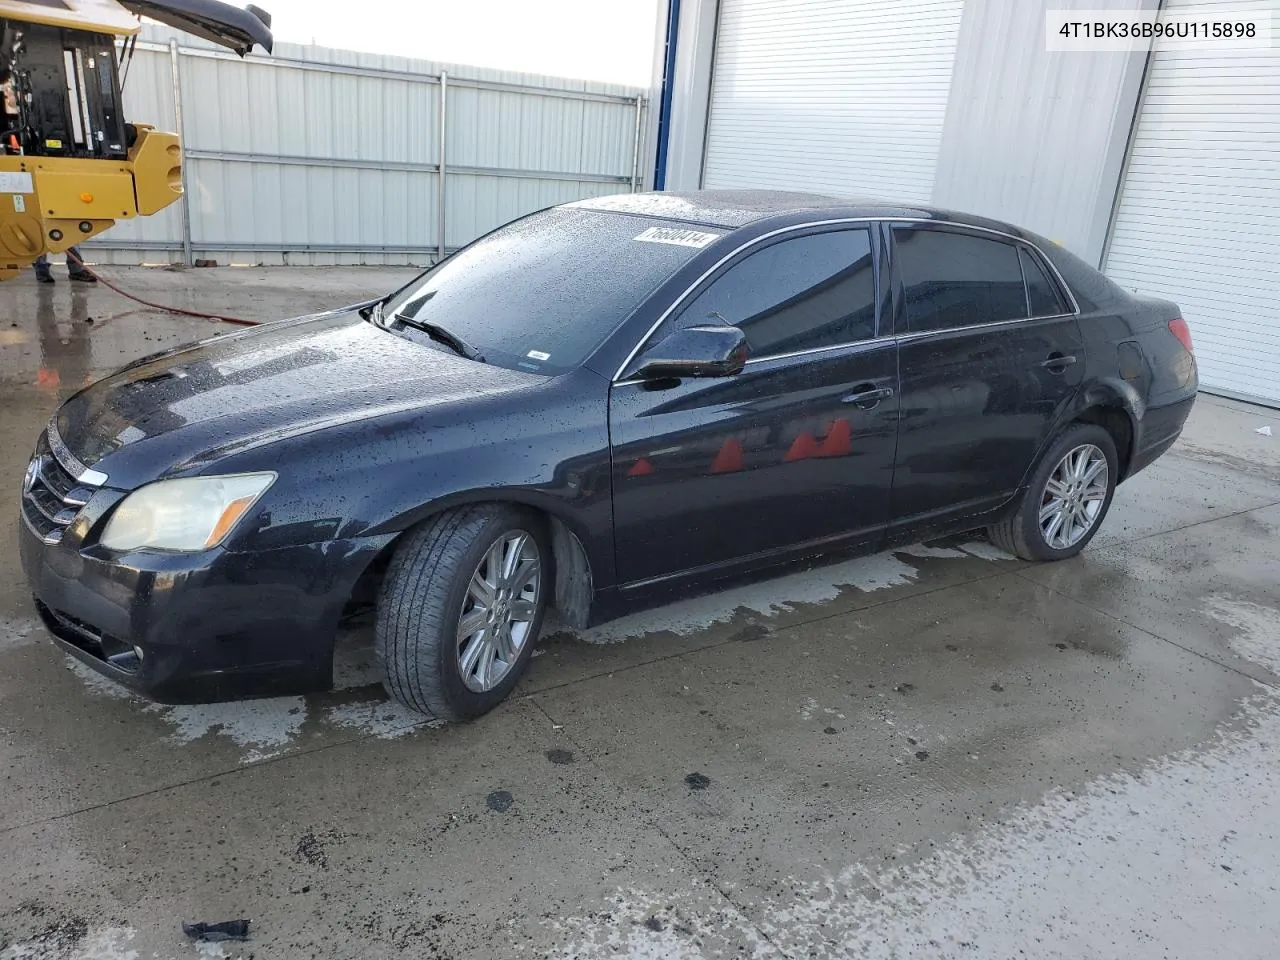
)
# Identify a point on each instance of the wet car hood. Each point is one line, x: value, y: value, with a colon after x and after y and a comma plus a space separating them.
x: 181, y: 409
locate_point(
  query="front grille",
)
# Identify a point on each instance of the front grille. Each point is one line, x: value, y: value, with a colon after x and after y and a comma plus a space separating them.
x: 52, y: 494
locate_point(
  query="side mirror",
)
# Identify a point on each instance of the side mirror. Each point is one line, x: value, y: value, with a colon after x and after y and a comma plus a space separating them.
x: 711, y: 350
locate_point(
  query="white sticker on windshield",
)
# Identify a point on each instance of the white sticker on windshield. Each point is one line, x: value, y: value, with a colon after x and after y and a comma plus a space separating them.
x: 538, y: 355
x: 681, y: 238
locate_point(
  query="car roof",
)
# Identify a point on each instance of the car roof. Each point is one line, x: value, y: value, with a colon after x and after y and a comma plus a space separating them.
x: 738, y: 208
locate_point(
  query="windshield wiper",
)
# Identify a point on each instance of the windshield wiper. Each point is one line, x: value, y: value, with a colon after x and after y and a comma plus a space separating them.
x: 443, y: 335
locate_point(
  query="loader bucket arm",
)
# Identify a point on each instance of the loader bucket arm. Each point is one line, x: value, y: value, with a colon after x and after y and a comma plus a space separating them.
x: 237, y: 28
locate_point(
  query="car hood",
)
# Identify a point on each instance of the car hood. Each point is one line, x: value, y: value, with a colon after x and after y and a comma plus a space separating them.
x: 179, y: 410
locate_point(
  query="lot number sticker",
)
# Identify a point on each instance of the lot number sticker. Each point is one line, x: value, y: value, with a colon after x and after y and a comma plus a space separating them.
x: 681, y: 238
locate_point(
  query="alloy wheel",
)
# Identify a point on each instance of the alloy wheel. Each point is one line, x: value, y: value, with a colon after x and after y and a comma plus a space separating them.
x: 1074, y: 496
x: 498, y: 611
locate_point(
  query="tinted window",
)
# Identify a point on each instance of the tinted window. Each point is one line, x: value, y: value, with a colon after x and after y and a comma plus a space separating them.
x: 1041, y: 293
x: 813, y: 291
x: 541, y: 293
x: 957, y: 280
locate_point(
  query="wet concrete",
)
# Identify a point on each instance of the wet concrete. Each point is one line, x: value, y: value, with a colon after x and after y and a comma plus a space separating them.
x: 934, y: 752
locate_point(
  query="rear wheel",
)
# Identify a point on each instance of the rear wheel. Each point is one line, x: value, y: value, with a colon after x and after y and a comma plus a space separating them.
x: 1066, y: 499
x: 460, y: 610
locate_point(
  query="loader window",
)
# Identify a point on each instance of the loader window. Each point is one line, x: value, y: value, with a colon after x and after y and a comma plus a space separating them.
x: 64, y: 90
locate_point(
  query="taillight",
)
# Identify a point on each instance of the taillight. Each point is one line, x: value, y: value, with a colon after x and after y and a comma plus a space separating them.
x: 1178, y: 327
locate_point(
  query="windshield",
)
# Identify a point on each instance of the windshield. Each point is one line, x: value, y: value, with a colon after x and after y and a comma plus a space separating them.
x: 540, y: 294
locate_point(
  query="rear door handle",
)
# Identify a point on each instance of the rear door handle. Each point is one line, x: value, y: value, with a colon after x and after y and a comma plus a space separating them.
x: 868, y: 395
x: 1057, y: 362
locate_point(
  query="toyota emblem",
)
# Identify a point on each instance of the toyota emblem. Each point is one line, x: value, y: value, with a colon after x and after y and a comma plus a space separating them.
x: 29, y: 478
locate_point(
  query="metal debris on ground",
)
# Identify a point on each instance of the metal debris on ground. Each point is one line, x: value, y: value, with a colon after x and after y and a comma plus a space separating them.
x: 215, y: 932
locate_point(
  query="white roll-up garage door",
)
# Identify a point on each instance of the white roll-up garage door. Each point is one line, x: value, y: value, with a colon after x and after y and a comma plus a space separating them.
x: 830, y: 95
x: 1199, y: 214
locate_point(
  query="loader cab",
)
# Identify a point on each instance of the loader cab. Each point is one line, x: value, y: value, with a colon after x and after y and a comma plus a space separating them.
x: 71, y: 162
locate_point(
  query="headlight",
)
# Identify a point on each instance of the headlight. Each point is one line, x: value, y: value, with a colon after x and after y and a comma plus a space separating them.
x: 192, y: 513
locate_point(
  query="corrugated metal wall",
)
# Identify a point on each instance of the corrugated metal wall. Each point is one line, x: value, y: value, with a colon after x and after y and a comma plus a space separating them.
x: 955, y: 103
x: 1034, y: 136
x: 316, y: 155
x: 802, y: 89
x: 1198, y: 220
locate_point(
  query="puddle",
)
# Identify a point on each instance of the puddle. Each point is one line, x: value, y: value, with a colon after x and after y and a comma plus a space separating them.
x: 985, y: 551
x: 106, y: 943
x: 695, y: 924
x: 1258, y: 639
x: 781, y: 594
x: 384, y: 719
x: 261, y: 729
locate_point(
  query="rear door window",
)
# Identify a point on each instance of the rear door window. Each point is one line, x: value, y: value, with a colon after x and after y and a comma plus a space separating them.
x: 953, y: 279
x: 1042, y: 293
x: 803, y: 293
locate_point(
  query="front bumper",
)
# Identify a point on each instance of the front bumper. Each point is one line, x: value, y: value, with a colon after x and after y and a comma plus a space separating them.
x: 211, y: 626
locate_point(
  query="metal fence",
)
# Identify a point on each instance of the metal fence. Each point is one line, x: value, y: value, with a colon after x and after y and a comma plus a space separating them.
x: 320, y: 156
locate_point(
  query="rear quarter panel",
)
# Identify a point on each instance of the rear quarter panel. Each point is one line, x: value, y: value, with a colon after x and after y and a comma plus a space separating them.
x: 1133, y: 362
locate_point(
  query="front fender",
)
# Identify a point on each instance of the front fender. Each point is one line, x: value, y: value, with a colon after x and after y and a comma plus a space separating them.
x: 547, y: 448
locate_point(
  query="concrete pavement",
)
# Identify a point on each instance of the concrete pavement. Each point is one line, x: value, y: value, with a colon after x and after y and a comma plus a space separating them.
x: 934, y: 752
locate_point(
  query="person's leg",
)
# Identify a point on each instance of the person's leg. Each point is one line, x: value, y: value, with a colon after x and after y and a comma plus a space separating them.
x: 41, y: 267
x: 76, y: 269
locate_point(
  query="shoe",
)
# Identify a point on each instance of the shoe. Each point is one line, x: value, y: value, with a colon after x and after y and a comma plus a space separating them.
x: 44, y: 276
x: 82, y: 276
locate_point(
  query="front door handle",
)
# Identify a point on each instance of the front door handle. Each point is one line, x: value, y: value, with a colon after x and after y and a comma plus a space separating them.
x: 868, y: 395
x: 1057, y: 362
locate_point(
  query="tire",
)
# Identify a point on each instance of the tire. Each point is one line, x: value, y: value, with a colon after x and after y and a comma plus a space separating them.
x: 1021, y: 532
x: 427, y: 588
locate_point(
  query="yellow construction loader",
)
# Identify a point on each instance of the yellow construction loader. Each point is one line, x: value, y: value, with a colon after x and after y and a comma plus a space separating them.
x: 71, y: 164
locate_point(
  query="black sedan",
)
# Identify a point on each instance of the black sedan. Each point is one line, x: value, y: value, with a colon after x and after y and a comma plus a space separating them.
x: 584, y: 409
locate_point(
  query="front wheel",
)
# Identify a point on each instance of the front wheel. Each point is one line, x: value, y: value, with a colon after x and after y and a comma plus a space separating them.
x: 460, y: 610
x: 1066, y: 499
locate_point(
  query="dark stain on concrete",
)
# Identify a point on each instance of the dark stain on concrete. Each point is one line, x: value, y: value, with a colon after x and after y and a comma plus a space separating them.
x: 997, y: 688
x: 559, y: 756
x: 697, y: 781
x: 922, y: 754
x: 829, y: 730
x: 904, y: 688
x: 311, y: 848
x: 752, y: 631
x: 499, y: 801
x: 418, y: 936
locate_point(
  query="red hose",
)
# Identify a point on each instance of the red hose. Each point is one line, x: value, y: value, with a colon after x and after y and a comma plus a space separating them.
x: 159, y: 306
